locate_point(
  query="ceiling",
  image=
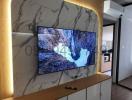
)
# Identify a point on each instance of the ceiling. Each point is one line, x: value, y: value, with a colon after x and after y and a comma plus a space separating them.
x: 121, y: 2
x: 107, y: 22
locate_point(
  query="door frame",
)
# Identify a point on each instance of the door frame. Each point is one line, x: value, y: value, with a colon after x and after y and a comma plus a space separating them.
x: 114, y: 31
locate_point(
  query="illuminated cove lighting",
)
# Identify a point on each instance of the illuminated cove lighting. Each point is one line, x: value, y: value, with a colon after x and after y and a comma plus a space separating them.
x: 98, y: 9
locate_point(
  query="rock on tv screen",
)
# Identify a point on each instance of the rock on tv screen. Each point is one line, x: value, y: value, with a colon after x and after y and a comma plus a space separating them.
x: 64, y: 49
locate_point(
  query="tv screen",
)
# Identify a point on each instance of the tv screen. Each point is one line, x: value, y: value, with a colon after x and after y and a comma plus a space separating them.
x: 64, y: 49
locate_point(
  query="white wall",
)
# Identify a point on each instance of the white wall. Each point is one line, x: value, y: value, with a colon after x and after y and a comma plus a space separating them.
x: 107, y: 38
x: 125, y: 61
x: 108, y: 33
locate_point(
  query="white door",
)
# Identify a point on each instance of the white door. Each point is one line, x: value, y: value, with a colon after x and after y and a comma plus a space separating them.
x: 81, y: 95
x: 93, y: 92
x: 106, y: 90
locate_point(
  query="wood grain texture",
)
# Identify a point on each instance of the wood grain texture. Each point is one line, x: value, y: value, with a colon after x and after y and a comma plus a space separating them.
x: 60, y: 91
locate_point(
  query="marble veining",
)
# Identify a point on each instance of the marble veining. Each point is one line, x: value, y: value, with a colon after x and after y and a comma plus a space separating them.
x: 58, y: 16
x: 26, y: 16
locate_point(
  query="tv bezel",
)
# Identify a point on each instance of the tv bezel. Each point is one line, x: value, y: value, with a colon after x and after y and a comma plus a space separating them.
x: 64, y: 69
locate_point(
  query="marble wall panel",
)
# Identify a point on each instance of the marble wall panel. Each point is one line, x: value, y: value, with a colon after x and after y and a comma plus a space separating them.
x: 26, y: 16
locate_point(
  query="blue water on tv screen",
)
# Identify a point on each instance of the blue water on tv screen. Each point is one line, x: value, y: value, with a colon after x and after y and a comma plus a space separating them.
x: 63, y: 49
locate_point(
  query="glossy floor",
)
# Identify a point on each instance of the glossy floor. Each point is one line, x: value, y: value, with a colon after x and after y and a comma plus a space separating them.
x: 107, y: 73
x: 127, y: 82
x: 120, y: 93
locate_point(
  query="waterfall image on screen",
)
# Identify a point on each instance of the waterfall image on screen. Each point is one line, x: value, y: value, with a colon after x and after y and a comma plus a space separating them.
x: 63, y: 49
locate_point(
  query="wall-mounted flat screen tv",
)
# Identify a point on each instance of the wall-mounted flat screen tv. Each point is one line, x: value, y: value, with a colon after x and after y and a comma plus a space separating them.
x: 64, y: 49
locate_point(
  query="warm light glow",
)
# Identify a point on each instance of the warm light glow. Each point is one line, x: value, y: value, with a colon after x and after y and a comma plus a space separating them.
x: 99, y: 73
x: 83, y: 5
x: 6, y: 60
x: 93, y: 5
x: 6, y: 72
x: 10, y: 75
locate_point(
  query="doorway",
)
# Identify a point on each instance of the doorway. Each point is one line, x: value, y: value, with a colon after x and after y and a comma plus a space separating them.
x: 107, y: 49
